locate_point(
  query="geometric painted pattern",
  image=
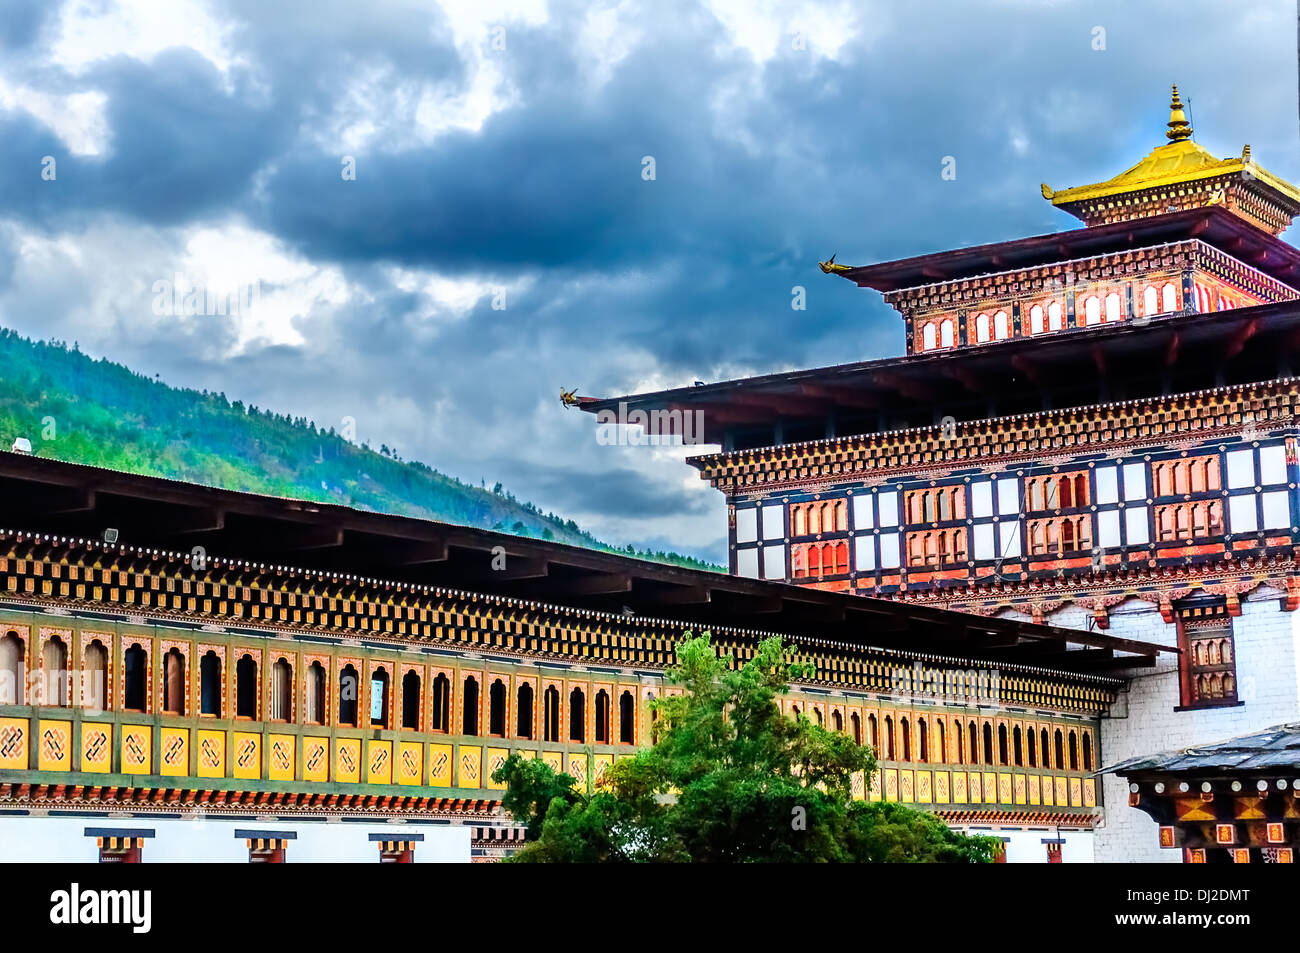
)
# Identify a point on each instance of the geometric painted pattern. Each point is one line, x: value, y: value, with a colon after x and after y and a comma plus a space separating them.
x: 136, y: 742
x: 578, y: 768
x: 173, y: 751
x: 440, y: 765
x: 54, y: 742
x: 96, y: 747
x: 211, y: 752
x: 11, y: 742
x: 282, y: 754
x: 246, y: 753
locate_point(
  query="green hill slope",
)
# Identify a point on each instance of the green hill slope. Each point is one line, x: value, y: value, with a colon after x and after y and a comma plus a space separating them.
x: 96, y: 412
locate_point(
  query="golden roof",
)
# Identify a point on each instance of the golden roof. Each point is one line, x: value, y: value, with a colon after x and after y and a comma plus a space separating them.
x: 1178, y: 161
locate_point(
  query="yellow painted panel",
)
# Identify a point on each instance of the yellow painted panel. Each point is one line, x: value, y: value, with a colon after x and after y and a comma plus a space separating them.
x: 578, y: 768
x: 873, y: 792
x: 1033, y: 789
x: 906, y: 789
x: 603, y: 763
x: 1061, y: 799
x: 379, y: 762
x: 973, y: 788
x: 281, y: 749
x: 137, y: 749
x: 248, y: 755
x: 555, y: 759
x: 1004, y: 788
x: 212, y: 753
x: 347, y: 760
x: 959, y: 794
x: 470, y: 767
x: 891, y: 784
x: 13, y: 743
x: 1021, y: 789
x: 495, y: 758
x: 533, y: 754
x: 1089, y: 792
x: 410, y: 762
x: 55, y: 751
x: 923, y: 793
x: 1047, y: 790
x: 1076, y: 792
x: 175, y: 752
x: 857, y: 783
x: 96, y: 747
x: 315, y: 758
x: 941, y: 792
x: 440, y: 766
x: 989, y: 790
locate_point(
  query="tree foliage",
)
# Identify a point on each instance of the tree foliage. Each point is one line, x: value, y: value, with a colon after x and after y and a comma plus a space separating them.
x: 728, y: 778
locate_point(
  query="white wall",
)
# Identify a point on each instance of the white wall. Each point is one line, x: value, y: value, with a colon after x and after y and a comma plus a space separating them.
x: 1025, y: 846
x: 211, y: 839
x: 1143, y: 720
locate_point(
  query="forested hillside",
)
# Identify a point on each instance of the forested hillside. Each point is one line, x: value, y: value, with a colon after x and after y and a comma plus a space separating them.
x: 96, y: 412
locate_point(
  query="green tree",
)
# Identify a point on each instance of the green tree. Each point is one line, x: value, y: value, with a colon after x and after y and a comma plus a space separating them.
x: 728, y: 778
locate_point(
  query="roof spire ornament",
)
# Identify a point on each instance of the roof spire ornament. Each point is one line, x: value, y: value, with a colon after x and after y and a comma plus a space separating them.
x: 1179, y: 127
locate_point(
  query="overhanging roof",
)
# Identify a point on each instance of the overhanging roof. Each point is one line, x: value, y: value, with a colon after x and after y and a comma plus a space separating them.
x: 80, y: 502
x: 1272, y: 750
x: 1212, y: 224
x: 1240, y: 345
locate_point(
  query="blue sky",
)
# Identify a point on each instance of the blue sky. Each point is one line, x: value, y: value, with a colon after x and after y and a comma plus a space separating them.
x: 499, y: 147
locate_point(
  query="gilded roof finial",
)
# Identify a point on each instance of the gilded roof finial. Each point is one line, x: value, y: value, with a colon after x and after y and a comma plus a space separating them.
x: 1179, y: 128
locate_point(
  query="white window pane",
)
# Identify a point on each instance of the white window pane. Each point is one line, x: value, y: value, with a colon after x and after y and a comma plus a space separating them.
x: 1135, y: 526
x: 1107, y: 485
x: 747, y: 563
x: 773, y: 562
x: 981, y: 495
x: 889, y: 551
x: 1272, y: 465
x: 1009, y: 540
x: 862, y: 515
x: 1108, y: 528
x: 1241, y: 469
x: 983, y: 537
x: 1008, y: 496
x: 774, y: 522
x: 747, y: 525
x: 1135, y: 481
x: 864, y: 553
x: 1241, y: 514
x: 1277, y: 510
x: 888, y: 505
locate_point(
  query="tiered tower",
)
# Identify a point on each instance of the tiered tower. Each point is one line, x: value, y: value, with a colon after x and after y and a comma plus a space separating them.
x: 1095, y: 427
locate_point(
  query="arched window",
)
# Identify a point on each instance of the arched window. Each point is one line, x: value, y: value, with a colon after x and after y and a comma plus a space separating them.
x: 411, y: 704
x: 54, y: 667
x: 380, y: 717
x: 626, y: 719
x: 945, y: 333
x: 602, y: 717
x: 1112, y: 308
x: 1002, y: 744
x: 1087, y: 751
x: 1001, y: 326
x: 315, y: 700
x: 281, y: 690
x: 441, y: 703
x: 210, y: 684
x: 1169, y: 298
x: 817, y: 712
x: 1054, y: 319
x: 837, y: 721
x: 1150, y: 301
x: 1017, y: 748
x: 349, y: 689
x: 942, y: 742
x: 974, y: 748
x: 135, y: 674
x: 497, y: 709
x: 1036, y: 325
x: 469, y: 707
x: 872, y: 729
x: 988, y: 744
x: 1092, y: 310
x: 246, y: 687
x: 922, y: 741
x: 1060, y: 749
x: 524, y: 716
x: 1029, y: 742
x: 577, y: 715
x: 889, y: 738
x: 855, y: 724
x: 174, y: 682
x: 1074, y: 751
x: 1045, y: 752
x: 13, y: 670
x: 981, y: 328
x: 928, y: 338
x: 551, y: 714
x: 94, y: 687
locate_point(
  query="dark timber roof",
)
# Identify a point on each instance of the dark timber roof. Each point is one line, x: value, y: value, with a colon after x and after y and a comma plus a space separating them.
x: 1275, y: 749
x: 1074, y: 367
x: 80, y: 502
x: 1212, y: 224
